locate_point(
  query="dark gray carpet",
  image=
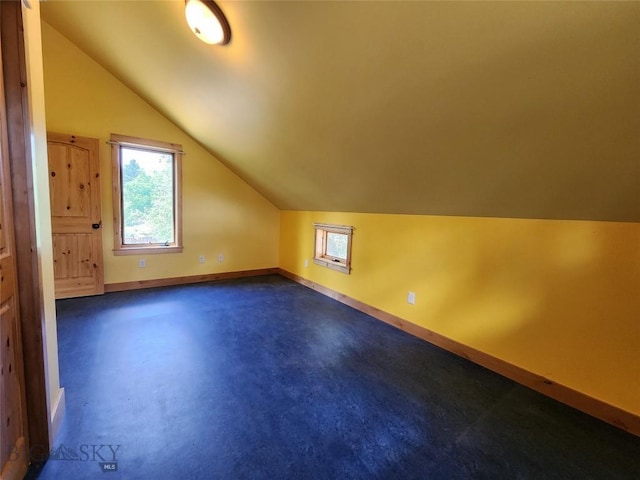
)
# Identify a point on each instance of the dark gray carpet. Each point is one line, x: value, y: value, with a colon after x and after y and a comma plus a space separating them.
x: 264, y: 379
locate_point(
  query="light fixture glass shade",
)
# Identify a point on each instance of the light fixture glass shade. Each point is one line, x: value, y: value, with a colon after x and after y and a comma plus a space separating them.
x: 207, y: 22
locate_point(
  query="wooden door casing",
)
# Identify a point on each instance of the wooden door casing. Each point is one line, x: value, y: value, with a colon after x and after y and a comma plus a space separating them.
x: 13, y: 418
x: 74, y: 189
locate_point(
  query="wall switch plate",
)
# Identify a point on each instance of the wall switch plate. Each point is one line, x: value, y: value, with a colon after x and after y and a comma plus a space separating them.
x: 201, y: 259
x: 220, y: 258
x: 142, y: 263
x: 411, y: 298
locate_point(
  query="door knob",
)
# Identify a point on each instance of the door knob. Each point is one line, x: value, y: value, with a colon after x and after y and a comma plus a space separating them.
x: 95, y: 226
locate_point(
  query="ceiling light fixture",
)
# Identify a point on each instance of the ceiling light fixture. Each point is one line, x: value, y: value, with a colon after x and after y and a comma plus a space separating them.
x: 207, y: 22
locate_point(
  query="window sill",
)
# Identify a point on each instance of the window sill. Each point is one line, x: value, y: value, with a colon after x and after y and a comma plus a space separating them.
x: 146, y: 250
x: 332, y: 265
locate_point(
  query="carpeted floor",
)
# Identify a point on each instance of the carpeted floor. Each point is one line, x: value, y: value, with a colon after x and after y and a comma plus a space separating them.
x: 264, y: 379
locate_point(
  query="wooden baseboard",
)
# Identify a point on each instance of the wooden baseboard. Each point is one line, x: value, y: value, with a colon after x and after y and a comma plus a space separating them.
x: 618, y: 417
x: 166, y: 282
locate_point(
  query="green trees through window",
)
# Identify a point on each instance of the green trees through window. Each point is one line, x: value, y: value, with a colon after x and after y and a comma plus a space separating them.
x: 337, y: 245
x: 147, y: 202
x: 147, y: 197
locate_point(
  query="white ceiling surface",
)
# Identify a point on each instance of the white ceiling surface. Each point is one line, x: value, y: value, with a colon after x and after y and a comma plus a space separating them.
x: 501, y: 109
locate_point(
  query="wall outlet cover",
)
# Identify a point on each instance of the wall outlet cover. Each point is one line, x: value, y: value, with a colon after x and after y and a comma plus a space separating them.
x: 411, y: 298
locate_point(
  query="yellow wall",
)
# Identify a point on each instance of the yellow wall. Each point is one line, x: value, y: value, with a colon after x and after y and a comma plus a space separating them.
x: 221, y: 213
x: 558, y: 298
x: 33, y: 54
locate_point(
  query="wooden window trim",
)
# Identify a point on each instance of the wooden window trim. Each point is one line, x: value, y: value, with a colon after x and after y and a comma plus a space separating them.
x: 321, y: 257
x: 120, y: 248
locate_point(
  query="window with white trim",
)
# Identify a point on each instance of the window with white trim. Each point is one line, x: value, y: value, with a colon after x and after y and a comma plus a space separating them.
x: 333, y: 246
x: 146, y: 196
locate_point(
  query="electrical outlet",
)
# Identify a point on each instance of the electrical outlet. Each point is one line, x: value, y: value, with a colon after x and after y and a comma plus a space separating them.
x: 411, y: 298
x: 142, y: 263
x: 220, y: 258
x: 306, y: 263
x: 201, y: 259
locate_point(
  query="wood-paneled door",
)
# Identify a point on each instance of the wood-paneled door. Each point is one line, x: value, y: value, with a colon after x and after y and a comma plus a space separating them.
x: 74, y: 188
x: 13, y: 420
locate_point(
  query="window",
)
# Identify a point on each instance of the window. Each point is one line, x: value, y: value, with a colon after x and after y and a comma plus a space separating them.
x: 146, y: 196
x: 333, y: 246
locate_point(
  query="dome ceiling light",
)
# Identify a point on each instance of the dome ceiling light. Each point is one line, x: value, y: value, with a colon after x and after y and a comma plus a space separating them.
x: 207, y: 22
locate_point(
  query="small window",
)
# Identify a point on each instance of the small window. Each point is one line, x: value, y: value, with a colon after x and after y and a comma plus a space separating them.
x: 333, y: 246
x: 146, y: 198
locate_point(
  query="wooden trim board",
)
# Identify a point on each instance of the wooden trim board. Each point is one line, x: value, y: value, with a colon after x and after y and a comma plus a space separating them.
x: 31, y: 304
x: 617, y: 417
x: 166, y: 282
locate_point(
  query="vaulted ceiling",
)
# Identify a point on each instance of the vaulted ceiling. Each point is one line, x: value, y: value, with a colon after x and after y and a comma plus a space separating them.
x: 509, y: 109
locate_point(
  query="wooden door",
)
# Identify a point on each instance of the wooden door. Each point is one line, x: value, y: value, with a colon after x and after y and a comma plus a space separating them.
x: 13, y: 420
x: 74, y: 188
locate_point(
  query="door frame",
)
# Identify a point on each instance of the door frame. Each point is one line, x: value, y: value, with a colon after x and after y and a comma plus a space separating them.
x: 31, y: 304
